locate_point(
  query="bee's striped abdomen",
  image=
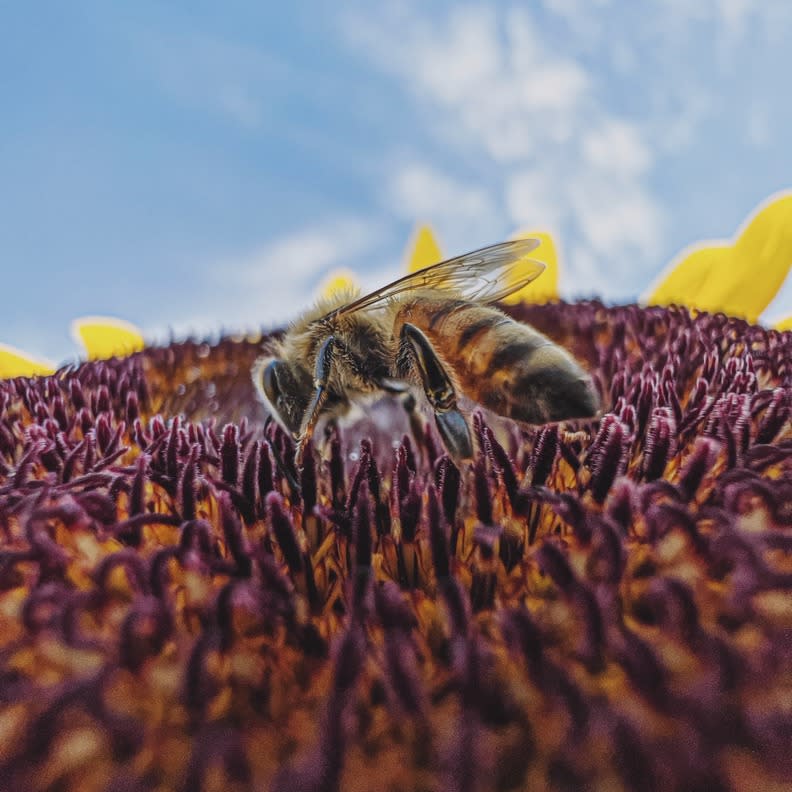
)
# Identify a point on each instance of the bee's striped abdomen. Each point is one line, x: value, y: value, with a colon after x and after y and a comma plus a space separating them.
x: 478, y: 330
x: 506, y: 366
x: 435, y: 319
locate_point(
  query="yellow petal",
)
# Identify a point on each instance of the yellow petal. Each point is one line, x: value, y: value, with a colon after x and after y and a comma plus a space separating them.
x: 764, y: 254
x: 687, y: 274
x: 338, y: 283
x: 740, y: 278
x: 784, y: 324
x: 423, y: 250
x: 15, y: 363
x: 545, y: 287
x: 105, y: 337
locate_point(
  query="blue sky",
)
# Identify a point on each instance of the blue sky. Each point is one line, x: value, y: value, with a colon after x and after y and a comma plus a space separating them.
x: 199, y: 166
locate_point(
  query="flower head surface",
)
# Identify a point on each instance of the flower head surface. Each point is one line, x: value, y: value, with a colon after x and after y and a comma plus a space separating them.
x: 604, y: 601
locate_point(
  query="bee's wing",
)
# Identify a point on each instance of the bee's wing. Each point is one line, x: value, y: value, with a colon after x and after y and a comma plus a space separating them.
x: 485, y: 275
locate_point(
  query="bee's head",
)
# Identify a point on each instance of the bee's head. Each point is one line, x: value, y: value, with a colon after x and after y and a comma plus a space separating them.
x: 286, y: 389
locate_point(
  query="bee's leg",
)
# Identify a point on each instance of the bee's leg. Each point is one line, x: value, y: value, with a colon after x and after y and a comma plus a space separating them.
x: 439, y: 391
x: 324, y: 363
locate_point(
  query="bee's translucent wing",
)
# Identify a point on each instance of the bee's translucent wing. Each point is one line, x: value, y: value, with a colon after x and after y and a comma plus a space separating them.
x: 485, y: 275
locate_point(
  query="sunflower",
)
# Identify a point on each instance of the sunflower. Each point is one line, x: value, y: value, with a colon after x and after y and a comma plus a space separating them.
x: 602, y: 604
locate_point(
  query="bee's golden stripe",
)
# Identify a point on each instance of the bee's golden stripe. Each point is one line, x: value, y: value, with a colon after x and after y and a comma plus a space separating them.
x: 507, y: 357
x: 439, y: 315
x: 478, y: 328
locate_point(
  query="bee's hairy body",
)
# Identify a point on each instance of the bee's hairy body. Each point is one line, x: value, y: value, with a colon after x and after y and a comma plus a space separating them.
x: 365, y: 361
x: 436, y: 329
x: 504, y: 365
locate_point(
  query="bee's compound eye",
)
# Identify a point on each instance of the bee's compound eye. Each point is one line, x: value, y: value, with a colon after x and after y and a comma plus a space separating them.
x: 269, y: 382
x: 284, y: 386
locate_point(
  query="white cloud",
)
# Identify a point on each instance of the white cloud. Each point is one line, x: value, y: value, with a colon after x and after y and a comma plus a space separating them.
x: 727, y: 22
x: 573, y: 9
x: 584, y: 18
x: 733, y: 15
x: 523, y: 132
x: 299, y: 257
x: 493, y: 75
x: 511, y: 112
x: 615, y: 218
x: 271, y: 284
x: 617, y: 146
x: 588, y: 271
x: 420, y: 191
x: 677, y: 127
x: 534, y: 199
x: 616, y: 226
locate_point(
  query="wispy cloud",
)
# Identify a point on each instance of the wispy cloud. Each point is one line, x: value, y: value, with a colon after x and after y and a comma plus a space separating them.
x: 489, y: 71
x: 300, y: 256
x: 273, y: 283
x: 527, y: 137
x: 730, y: 20
x: 628, y: 129
x: 420, y: 190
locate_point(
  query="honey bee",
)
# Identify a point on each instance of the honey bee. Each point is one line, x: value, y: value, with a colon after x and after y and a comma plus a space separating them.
x: 437, y: 330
